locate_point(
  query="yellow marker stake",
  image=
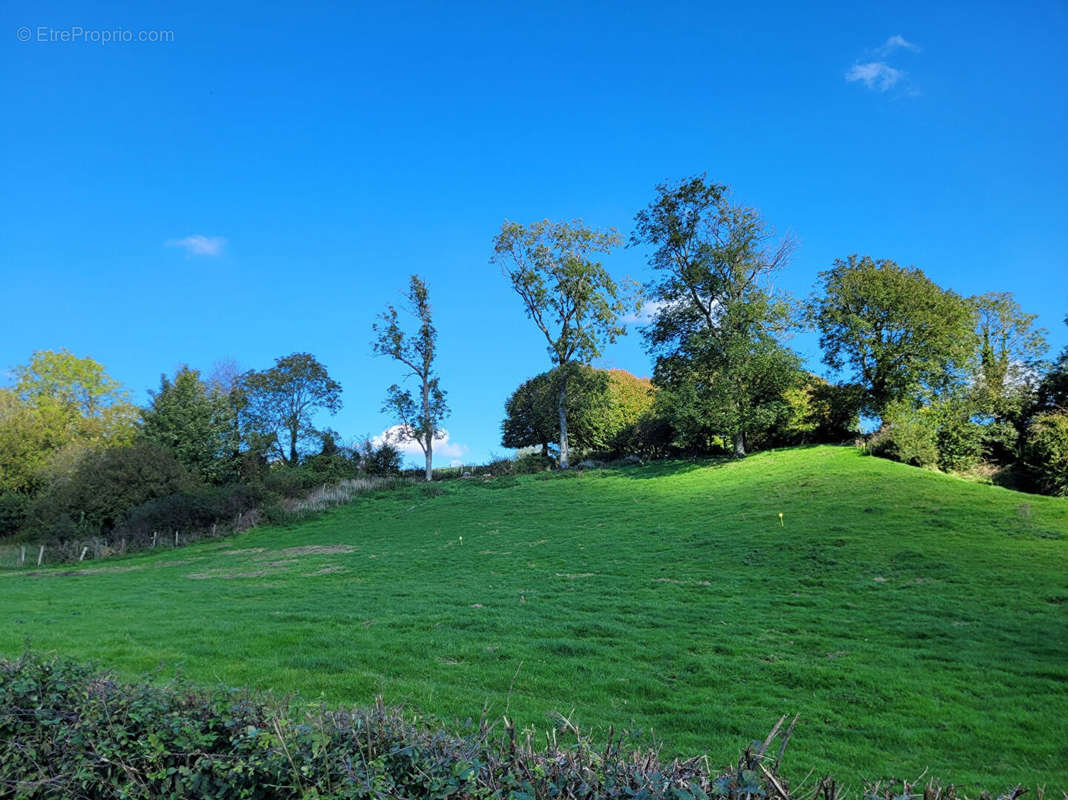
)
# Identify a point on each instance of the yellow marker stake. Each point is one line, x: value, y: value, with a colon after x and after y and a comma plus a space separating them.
x: 781, y: 525
x: 462, y: 538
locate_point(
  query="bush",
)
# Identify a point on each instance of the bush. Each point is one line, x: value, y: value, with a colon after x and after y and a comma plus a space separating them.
x: 1046, y: 452
x: 959, y: 439
x: 68, y: 731
x: 191, y: 511
x: 908, y: 435
x: 102, y: 486
x: 13, y: 508
x: 382, y: 460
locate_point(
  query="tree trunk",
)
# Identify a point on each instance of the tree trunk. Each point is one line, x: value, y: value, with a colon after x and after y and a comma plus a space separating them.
x: 428, y: 428
x: 293, y: 457
x: 739, y: 445
x: 561, y: 409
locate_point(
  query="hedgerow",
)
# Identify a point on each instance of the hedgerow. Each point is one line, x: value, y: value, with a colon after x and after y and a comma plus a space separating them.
x: 67, y: 730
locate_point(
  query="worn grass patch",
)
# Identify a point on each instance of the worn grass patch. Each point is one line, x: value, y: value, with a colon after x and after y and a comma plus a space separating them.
x: 913, y: 619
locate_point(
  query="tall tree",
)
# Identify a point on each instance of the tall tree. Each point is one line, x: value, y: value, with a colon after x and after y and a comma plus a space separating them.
x: 193, y: 421
x: 80, y: 393
x: 1052, y: 392
x: 420, y: 419
x: 902, y: 334
x: 59, y: 401
x: 717, y: 322
x: 281, y: 402
x: 570, y: 297
x: 1010, y: 354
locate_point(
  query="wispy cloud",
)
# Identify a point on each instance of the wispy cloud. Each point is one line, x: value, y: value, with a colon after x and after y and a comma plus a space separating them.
x: 646, y: 314
x: 199, y: 245
x: 876, y: 75
x: 444, y: 447
x: 896, y: 42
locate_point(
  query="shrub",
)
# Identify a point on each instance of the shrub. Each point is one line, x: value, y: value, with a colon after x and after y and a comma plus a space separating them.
x: 13, y: 508
x: 191, y: 511
x: 959, y: 439
x: 908, y: 435
x: 1046, y: 452
x: 102, y: 486
x: 68, y: 731
x: 382, y: 460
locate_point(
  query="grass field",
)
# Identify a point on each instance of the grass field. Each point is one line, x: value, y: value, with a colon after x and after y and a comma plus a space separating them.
x: 913, y: 619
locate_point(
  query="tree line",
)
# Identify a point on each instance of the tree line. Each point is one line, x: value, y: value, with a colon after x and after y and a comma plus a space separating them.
x: 949, y: 381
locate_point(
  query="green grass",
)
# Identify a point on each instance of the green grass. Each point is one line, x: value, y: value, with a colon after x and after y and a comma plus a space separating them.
x: 913, y: 619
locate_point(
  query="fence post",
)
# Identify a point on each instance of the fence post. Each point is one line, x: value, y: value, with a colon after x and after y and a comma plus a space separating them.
x: 176, y: 538
x: 40, y: 556
x: 22, y: 556
x: 84, y: 551
x: 155, y: 534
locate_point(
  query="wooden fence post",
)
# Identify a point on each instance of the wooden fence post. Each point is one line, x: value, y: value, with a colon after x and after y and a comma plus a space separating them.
x: 40, y: 556
x: 22, y: 556
x: 84, y: 551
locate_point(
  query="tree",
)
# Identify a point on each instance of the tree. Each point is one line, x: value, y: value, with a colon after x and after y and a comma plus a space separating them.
x: 58, y: 401
x: 571, y: 298
x: 902, y: 334
x: 1010, y: 354
x: 194, y: 422
x: 281, y: 402
x: 716, y: 327
x: 1052, y: 392
x: 604, y: 408
x: 78, y: 394
x: 420, y: 420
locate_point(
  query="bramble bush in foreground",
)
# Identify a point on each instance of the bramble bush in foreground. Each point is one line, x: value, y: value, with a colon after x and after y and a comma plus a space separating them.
x: 67, y: 730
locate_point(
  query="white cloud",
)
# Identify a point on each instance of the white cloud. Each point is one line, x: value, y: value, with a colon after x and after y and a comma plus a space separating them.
x: 397, y: 436
x: 199, y: 245
x: 896, y: 42
x: 647, y: 314
x: 876, y: 75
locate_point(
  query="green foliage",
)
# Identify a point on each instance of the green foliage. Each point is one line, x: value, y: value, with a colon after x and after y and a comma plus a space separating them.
x: 1046, y: 452
x: 719, y: 361
x: 420, y: 418
x: 101, y: 486
x: 13, y: 510
x: 818, y: 411
x: 1010, y: 355
x: 278, y: 404
x: 959, y: 438
x: 96, y: 737
x: 1052, y: 392
x: 190, y: 511
x: 379, y: 460
x: 571, y: 298
x: 194, y: 422
x: 604, y: 409
x: 903, y: 335
x: 909, y: 435
x: 58, y: 400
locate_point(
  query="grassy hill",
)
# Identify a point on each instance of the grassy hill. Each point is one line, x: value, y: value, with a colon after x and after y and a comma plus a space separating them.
x: 913, y: 619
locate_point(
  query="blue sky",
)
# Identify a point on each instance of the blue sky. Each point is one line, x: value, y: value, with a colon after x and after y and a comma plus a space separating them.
x: 325, y: 154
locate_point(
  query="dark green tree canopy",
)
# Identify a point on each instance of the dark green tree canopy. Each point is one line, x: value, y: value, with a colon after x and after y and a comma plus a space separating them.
x: 900, y: 333
x: 192, y: 421
x: 717, y: 324
x: 279, y: 403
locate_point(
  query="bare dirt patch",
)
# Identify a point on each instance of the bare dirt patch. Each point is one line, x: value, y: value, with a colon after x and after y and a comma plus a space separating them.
x: 317, y: 550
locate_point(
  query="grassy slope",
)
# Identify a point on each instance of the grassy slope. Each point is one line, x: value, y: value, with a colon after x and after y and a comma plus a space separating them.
x: 915, y: 620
